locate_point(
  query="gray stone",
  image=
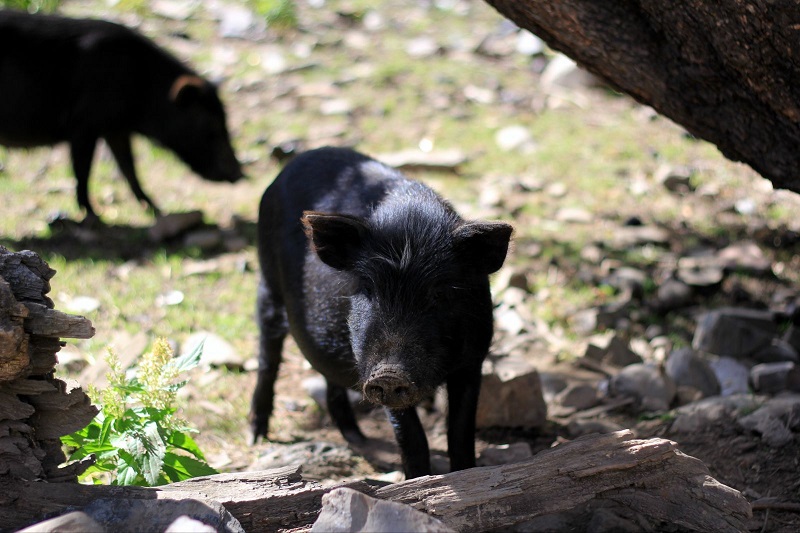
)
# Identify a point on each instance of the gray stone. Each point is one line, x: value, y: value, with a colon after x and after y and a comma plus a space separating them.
x: 698, y: 417
x: 775, y: 420
x: 579, y: 396
x: 563, y: 73
x: 612, y: 350
x: 74, y: 522
x: 348, y: 511
x: 735, y: 332
x: 511, y: 395
x: 578, y: 427
x: 732, y: 375
x: 778, y: 351
x: 121, y: 514
x: 745, y: 256
x: 205, y: 239
x: 513, y: 138
x: 646, y: 383
x: 771, y: 378
x: 320, y: 460
x: 174, y: 224
x: 627, y: 278
x: 184, y: 524
x: 673, y: 294
x: 699, y: 271
x: 216, y: 350
x: 674, y: 179
x: 687, y: 368
x: 792, y: 336
x: 629, y: 236
x: 501, y: 454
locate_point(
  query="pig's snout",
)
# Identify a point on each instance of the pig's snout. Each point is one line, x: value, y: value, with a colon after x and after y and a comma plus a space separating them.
x: 391, y: 387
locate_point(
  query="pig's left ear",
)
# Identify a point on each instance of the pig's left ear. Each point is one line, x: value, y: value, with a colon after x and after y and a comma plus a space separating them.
x: 336, y: 239
x: 186, y: 87
x: 483, y: 245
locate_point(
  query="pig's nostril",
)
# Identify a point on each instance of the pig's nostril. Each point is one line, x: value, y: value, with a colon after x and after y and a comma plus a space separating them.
x: 400, y: 391
x: 374, y: 392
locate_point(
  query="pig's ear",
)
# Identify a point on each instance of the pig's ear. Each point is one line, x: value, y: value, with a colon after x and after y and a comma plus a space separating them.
x: 483, y: 245
x: 186, y: 87
x: 336, y: 239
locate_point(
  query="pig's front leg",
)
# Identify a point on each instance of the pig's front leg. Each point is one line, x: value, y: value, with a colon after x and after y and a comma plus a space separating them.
x: 413, y: 444
x: 462, y: 399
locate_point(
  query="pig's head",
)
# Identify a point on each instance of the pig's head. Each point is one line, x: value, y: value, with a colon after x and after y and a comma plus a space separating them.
x: 422, y: 302
x: 195, y: 129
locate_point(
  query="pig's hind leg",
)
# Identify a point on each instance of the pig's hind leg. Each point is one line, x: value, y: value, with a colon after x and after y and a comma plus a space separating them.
x: 120, y: 146
x: 273, y: 326
x: 341, y: 412
x: 81, y: 149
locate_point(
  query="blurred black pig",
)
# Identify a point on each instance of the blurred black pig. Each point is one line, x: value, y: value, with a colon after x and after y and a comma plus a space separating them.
x: 80, y: 80
x: 384, y: 287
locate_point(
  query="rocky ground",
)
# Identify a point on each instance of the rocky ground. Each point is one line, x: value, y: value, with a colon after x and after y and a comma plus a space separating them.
x: 652, y: 285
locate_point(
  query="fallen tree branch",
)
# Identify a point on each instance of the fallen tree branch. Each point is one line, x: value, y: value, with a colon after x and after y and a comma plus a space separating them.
x: 650, y: 476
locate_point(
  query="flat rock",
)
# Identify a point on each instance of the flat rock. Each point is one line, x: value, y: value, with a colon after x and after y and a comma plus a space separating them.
x: 348, y: 511
x: 731, y: 374
x: 216, y: 350
x: 744, y: 256
x: 501, y: 454
x: 579, y: 396
x: 735, y: 332
x: 645, y: 382
x: 688, y: 368
x: 698, y: 417
x: 511, y: 395
x: 74, y: 522
x: 772, y: 378
x: 320, y: 460
x: 775, y: 420
x: 158, y: 515
x: 174, y: 224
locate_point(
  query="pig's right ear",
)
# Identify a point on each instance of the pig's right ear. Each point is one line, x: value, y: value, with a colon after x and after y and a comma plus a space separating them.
x: 186, y: 87
x: 336, y: 239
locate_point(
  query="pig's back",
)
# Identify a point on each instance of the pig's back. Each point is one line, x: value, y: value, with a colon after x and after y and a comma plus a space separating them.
x: 59, y: 74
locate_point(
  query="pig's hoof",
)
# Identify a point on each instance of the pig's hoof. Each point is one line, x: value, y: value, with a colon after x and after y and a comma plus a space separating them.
x: 258, y: 430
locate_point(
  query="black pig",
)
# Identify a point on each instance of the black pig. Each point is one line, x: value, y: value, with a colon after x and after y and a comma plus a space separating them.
x: 80, y: 80
x: 384, y: 287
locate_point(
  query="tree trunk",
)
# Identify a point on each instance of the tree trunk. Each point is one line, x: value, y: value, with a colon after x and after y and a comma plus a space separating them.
x: 725, y: 70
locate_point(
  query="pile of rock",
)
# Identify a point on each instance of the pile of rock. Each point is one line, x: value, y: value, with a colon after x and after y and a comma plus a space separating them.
x: 35, y: 408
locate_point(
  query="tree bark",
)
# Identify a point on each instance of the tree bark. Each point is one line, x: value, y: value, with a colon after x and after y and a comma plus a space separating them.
x: 727, y: 70
x: 650, y: 476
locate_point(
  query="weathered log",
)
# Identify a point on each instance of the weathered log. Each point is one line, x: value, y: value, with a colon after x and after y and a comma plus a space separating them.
x: 35, y: 409
x: 725, y: 70
x: 650, y: 476
x: 269, y: 500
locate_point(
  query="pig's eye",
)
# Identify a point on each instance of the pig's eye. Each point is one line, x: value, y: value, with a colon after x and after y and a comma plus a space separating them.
x: 365, y: 290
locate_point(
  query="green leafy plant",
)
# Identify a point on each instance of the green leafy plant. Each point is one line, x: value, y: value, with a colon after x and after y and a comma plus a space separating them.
x: 277, y: 13
x: 31, y: 6
x: 136, y: 437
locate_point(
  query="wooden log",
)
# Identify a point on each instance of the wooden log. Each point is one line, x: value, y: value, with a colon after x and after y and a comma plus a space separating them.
x: 51, y: 323
x: 650, y: 476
